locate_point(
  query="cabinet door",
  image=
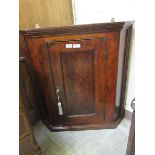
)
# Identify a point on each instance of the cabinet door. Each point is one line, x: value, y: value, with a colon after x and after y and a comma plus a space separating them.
x: 78, y: 70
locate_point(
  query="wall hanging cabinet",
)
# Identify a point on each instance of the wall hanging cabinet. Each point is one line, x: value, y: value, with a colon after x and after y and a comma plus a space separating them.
x: 79, y: 73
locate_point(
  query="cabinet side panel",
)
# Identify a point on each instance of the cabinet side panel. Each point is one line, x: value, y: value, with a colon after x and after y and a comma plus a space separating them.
x: 36, y: 54
x: 125, y: 69
x: 26, y: 75
x: 111, y: 74
x: 120, y: 70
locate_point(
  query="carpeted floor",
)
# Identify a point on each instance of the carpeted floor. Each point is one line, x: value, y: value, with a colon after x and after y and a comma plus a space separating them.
x: 87, y: 142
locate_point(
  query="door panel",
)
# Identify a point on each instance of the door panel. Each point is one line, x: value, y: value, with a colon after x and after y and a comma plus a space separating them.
x: 78, y: 70
x: 80, y: 74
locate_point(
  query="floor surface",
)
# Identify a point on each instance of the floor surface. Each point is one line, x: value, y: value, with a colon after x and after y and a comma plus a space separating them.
x: 87, y: 142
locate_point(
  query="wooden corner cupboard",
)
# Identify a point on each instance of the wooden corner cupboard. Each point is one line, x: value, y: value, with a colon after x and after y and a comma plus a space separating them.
x: 79, y: 73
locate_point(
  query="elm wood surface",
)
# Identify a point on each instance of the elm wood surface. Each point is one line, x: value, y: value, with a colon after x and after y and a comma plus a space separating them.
x: 26, y: 72
x: 78, y: 29
x: 125, y: 68
x: 80, y: 73
x: 88, y: 76
x: 30, y: 105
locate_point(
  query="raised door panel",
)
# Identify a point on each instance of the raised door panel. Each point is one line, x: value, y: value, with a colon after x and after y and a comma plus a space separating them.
x: 78, y: 70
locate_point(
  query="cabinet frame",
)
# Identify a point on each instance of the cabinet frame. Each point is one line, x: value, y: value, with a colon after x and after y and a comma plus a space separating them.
x: 60, y: 34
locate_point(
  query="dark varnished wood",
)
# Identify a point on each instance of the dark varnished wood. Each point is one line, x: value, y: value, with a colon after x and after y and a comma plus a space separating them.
x: 78, y: 29
x: 88, y: 75
x: 125, y: 68
x: 105, y: 125
x: 35, y: 75
x: 122, y: 43
x: 31, y: 106
x: 81, y: 75
x: 111, y: 75
x: 78, y: 76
